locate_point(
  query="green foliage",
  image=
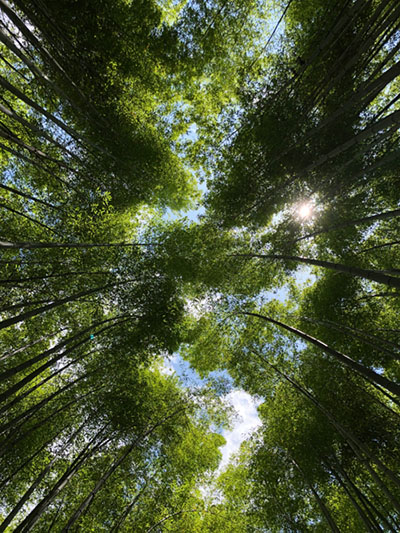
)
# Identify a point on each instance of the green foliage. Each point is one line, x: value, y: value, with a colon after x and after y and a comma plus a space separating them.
x: 111, y: 113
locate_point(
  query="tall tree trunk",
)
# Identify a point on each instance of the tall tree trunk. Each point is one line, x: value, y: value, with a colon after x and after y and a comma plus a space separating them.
x: 364, y: 46
x: 27, y: 196
x: 384, y: 245
x: 363, y: 498
x: 26, y: 364
x: 27, y: 379
x: 38, y: 385
x: 128, y: 509
x: 371, y: 527
x: 357, y: 334
x: 344, y: 359
x: 38, y: 166
x: 10, y: 136
x: 12, y: 424
x: 35, y: 484
x: 355, y: 222
x: 42, y: 77
x: 24, y: 304
x: 341, y: 24
x: 57, y: 303
x: 168, y: 517
x: 391, y: 120
x: 31, y: 219
x: 355, y: 444
x: 16, y: 281
x: 325, y: 511
x: 32, y: 457
x: 363, y: 96
x: 54, y: 520
x: 47, y: 57
x: 28, y: 523
x: 88, y: 500
x: 7, y: 445
x: 372, y: 275
x: 34, y: 245
x: 29, y: 345
x: 19, y: 94
x: 35, y: 129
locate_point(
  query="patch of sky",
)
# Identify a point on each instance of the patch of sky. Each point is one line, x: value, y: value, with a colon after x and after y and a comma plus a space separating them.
x: 245, y: 419
x: 198, y: 209
x: 269, y: 30
x: 302, y: 277
x: 246, y: 422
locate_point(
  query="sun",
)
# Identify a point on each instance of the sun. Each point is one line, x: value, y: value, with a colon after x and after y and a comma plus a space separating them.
x: 305, y: 211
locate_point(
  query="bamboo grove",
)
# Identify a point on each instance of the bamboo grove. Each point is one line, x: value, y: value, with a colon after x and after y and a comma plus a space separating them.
x: 287, y: 286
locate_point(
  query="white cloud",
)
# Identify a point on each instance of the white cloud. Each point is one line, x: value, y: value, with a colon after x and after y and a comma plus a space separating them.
x: 246, y: 419
x: 246, y: 422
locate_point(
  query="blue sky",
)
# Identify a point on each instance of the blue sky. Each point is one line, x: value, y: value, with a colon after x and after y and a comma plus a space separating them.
x: 246, y: 419
x: 245, y: 406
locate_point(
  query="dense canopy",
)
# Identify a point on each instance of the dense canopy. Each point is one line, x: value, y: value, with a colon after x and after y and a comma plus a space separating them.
x: 212, y: 185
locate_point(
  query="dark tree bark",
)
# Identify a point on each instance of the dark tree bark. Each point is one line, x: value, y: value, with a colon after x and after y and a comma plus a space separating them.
x: 372, y: 275
x: 344, y: 359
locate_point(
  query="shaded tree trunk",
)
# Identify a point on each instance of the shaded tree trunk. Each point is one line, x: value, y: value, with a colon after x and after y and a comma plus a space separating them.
x: 88, y: 500
x: 358, y: 447
x: 36, y: 483
x: 372, y: 275
x: 346, y: 360
x: 28, y: 523
x: 348, y: 223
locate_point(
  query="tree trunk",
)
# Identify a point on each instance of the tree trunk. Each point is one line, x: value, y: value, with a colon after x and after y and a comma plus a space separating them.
x: 33, y: 410
x: 358, y: 447
x: 128, y: 509
x: 172, y: 515
x: 41, y: 76
x: 366, y: 93
x: 19, y: 94
x: 320, y: 502
x: 8, y: 444
x: 36, y: 483
x: 28, y: 523
x: 28, y: 196
x: 357, y: 334
x: 44, y: 52
x: 38, y: 385
x: 27, y: 461
x: 391, y: 120
x: 31, y: 219
x: 372, y: 275
x: 88, y: 500
x: 384, y: 245
x: 19, y: 350
x: 16, y: 281
x: 17, y: 386
x: 38, y: 166
x: 10, y: 136
x: 34, y: 245
x: 346, y: 360
x: 348, y: 223
x: 57, y: 303
x: 365, y: 45
x: 366, y: 502
x: 26, y: 364
x: 364, y: 518
x: 38, y: 131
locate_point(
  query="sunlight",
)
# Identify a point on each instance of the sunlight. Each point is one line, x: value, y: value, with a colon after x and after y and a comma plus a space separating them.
x: 305, y: 211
